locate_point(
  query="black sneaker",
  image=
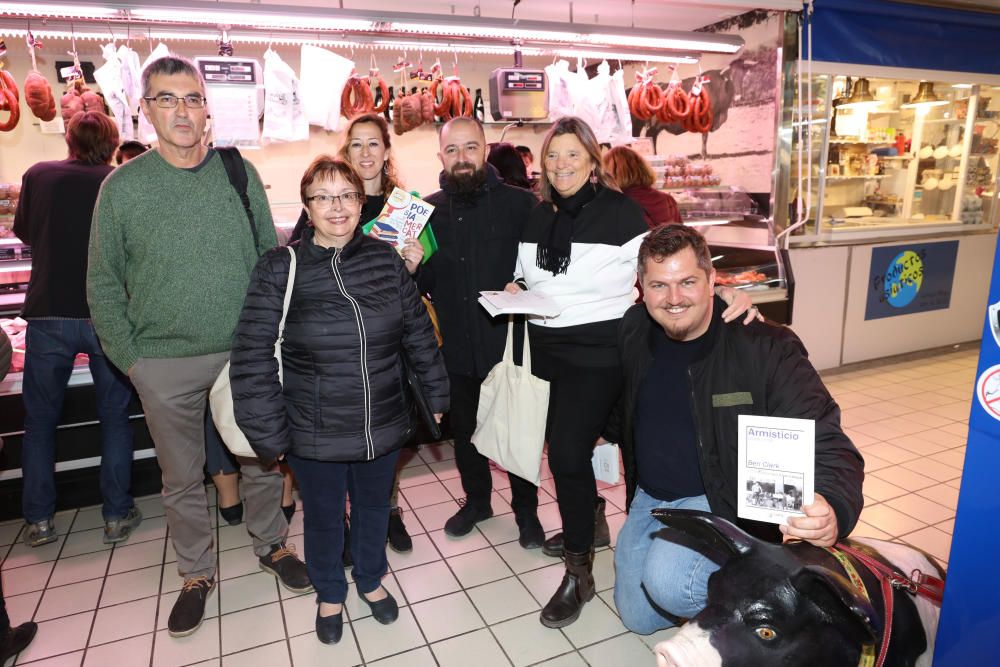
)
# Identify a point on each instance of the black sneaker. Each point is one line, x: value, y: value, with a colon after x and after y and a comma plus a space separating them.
x: 466, y: 519
x: 531, y: 535
x: 189, y: 609
x: 286, y: 566
x: 16, y: 640
x: 399, y: 539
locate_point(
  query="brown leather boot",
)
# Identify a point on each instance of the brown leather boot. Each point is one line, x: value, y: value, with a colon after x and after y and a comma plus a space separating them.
x: 576, y: 589
x: 602, y: 534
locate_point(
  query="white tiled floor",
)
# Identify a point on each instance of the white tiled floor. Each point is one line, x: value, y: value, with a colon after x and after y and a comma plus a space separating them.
x: 464, y: 602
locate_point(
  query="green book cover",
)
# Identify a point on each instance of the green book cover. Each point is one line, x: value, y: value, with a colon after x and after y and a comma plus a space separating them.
x: 426, y: 237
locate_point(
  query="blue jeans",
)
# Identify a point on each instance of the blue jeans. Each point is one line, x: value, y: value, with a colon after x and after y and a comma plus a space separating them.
x: 653, y: 574
x: 51, y: 347
x: 323, y: 486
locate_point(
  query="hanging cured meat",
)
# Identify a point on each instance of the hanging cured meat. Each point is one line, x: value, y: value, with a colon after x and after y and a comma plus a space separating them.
x: 646, y: 97
x: 78, y: 97
x: 456, y: 100
x: 38, y: 95
x: 9, y: 101
x: 357, y: 97
x: 699, y: 119
x: 376, y: 81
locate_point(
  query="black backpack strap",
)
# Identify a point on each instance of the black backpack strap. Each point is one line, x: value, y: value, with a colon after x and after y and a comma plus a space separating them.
x: 237, y: 172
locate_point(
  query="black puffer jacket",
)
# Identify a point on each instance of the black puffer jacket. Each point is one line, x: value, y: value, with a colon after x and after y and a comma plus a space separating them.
x: 344, y: 397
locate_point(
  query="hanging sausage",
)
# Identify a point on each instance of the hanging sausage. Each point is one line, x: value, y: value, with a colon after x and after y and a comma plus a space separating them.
x: 9, y: 101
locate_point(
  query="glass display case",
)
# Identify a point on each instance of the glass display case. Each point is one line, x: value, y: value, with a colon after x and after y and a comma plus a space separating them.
x: 892, y: 157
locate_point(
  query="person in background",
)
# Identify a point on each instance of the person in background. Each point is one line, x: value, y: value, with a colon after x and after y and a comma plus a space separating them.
x: 53, y: 216
x: 13, y: 640
x: 635, y: 179
x: 477, y: 221
x: 678, y: 351
x: 171, y: 251
x: 368, y: 149
x: 339, y: 414
x: 579, y: 247
x: 529, y: 162
x: 509, y: 164
x: 129, y: 150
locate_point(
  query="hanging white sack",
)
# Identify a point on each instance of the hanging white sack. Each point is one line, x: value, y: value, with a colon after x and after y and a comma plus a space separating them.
x: 284, y: 117
x: 109, y: 77
x: 513, y: 406
x: 322, y: 79
x: 147, y: 134
x: 130, y: 75
x: 563, y: 86
x: 619, y: 116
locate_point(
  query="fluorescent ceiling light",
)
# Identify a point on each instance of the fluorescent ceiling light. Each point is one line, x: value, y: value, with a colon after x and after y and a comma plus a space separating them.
x: 78, y: 10
x: 261, y: 20
x: 675, y: 43
x: 653, y: 57
x: 706, y: 223
x: 481, y: 31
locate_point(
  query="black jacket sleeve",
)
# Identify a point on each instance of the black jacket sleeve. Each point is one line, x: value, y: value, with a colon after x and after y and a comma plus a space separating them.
x: 794, y: 389
x: 258, y: 401
x: 421, y: 343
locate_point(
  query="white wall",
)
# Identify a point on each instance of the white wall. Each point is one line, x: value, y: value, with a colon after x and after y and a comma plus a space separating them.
x: 820, y: 293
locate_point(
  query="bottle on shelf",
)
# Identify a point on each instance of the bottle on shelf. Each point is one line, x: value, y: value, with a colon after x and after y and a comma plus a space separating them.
x: 478, y: 108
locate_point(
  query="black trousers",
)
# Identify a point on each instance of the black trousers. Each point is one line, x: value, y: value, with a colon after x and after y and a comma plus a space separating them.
x: 4, y: 618
x: 584, y: 384
x: 473, y: 467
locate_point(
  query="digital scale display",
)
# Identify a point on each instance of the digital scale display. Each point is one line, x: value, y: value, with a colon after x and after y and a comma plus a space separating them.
x: 228, y: 71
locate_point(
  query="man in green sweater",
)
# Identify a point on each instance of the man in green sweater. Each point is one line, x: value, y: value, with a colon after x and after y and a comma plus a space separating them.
x: 171, y: 252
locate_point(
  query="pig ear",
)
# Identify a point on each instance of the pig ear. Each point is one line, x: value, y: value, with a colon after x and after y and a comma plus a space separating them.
x: 831, y: 591
x: 714, y: 534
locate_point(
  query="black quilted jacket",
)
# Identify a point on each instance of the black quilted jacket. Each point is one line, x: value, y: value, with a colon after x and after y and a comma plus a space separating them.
x: 344, y: 396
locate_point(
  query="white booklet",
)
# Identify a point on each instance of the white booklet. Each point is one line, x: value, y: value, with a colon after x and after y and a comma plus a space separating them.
x: 776, y: 467
x: 529, y: 302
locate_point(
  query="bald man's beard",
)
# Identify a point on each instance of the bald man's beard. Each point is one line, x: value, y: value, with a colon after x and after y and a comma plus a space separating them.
x: 466, y: 181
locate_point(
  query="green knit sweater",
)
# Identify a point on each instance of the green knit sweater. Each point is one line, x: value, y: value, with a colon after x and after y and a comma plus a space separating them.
x: 170, y: 258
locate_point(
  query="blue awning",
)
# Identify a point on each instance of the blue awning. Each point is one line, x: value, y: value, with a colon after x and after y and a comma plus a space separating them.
x: 899, y: 34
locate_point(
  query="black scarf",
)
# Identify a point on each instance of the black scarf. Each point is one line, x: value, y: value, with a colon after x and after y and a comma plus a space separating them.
x: 554, y: 253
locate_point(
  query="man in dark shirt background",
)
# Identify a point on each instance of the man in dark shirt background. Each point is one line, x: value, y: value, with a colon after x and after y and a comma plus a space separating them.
x: 53, y: 217
x: 688, y: 376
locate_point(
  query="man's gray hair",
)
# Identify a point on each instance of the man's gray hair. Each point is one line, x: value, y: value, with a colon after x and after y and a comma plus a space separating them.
x: 169, y: 65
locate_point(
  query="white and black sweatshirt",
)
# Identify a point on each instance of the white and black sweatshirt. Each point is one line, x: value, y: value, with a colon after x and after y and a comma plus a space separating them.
x: 599, y: 284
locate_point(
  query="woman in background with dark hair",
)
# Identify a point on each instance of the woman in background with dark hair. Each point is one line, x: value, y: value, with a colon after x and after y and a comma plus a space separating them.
x: 635, y: 178
x: 508, y: 162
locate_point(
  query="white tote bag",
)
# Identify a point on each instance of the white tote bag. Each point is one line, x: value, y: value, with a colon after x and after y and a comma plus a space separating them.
x: 221, y: 395
x: 513, y: 405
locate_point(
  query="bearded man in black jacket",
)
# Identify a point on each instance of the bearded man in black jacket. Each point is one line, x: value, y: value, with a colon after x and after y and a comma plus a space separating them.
x: 477, y: 221
x: 688, y: 376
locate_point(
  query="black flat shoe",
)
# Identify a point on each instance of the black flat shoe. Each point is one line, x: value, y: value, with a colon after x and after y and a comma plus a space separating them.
x: 329, y: 629
x: 385, y: 611
x: 233, y: 515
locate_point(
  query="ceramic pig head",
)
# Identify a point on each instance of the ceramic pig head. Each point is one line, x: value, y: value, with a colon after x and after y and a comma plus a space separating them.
x: 768, y: 604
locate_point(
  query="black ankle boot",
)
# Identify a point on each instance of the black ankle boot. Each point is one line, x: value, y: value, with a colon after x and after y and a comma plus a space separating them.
x: 233, y: 514
x: 602, y: 534
x: 288, y: 511
x: 576, y: 589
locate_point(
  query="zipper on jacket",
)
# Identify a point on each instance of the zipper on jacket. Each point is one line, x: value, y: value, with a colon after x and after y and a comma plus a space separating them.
x: 366, y: 386
x: 697, y: 428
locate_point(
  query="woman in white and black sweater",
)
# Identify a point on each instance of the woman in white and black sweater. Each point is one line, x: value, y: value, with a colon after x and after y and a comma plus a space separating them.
x: 579, y: 247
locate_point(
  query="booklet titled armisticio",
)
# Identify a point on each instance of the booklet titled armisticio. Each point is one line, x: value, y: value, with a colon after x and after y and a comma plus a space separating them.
x: 776, y: 467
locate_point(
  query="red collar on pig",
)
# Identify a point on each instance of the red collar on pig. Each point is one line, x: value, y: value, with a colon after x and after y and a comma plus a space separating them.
x: 917, y: 583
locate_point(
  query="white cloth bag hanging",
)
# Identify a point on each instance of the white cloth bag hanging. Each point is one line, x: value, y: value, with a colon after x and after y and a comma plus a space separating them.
x: 284, y: 117
x: 221, y: 395
x: 147, y: 133
x: 513, y: 406
x: 322, y: 76
x: 109, y: 77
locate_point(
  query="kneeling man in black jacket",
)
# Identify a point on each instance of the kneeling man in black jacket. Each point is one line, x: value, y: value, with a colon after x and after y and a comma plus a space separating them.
x: 688, y: 375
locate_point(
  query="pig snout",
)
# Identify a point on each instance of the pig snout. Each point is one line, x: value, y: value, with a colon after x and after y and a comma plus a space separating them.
x: 688, y: 648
